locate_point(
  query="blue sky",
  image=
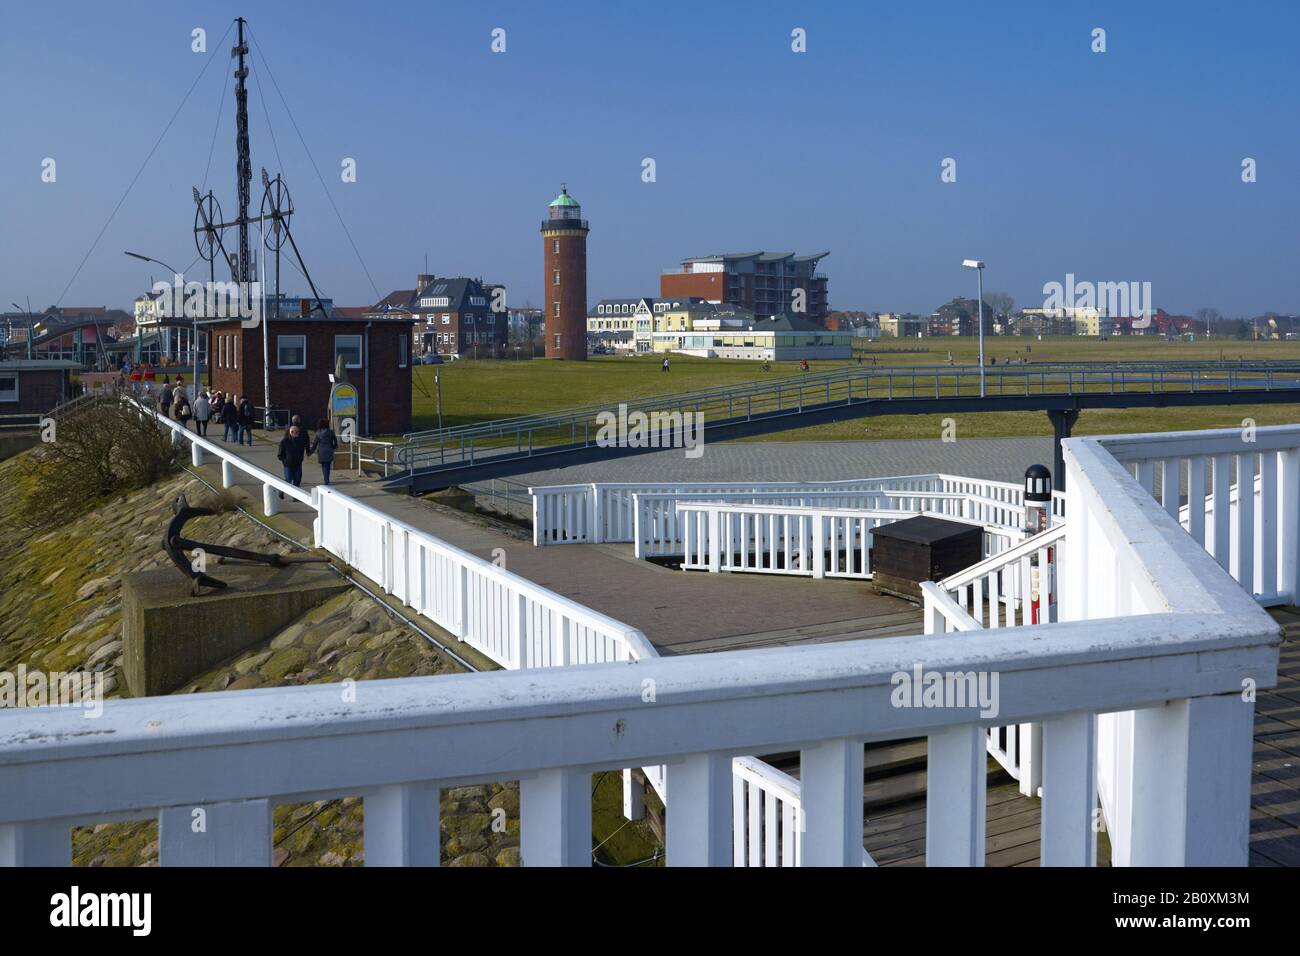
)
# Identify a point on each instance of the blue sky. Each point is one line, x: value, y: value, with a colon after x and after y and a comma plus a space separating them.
x: 1118, y: 166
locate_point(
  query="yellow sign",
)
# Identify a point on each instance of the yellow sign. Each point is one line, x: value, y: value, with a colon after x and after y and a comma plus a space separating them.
x: 344, y: 402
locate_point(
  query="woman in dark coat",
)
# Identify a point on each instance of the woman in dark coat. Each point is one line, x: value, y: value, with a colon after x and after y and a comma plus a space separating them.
x: 324, y: 446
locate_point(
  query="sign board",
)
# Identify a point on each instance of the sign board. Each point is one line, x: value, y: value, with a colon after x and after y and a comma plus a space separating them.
x: 344, y: 405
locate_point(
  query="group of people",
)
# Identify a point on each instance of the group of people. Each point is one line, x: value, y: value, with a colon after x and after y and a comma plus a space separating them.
x: 234, y: 413
x: 236, y: 416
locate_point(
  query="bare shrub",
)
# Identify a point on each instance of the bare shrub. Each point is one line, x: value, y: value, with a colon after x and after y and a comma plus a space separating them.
x: 100, y: 450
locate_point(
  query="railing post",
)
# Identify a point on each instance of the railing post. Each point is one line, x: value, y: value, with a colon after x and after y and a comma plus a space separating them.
x: 518, y: 604
x: 538, y: 539
x: 460, y: 598
x: 956, y: 771
x: 36, y: 844
x: 831, y: 795
x: 401, y: 825
x: 1222, y: 494
x: 699, y: 826
x: 1288, y: 491
x: 227, y: 474
x: 560, y: 653
x: 555, y: 818
x: 219, y: 834
x: 818, y: 546
x: 1191, y: 782
x: 633, y: 797
x: 715, y: 540
x: 1068, y: 834
x: 594, y: 530
x: 270, y: 501
x: 196, y: 454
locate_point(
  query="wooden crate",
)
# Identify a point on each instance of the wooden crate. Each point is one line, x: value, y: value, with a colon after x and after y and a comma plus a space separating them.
x: 907, y: 552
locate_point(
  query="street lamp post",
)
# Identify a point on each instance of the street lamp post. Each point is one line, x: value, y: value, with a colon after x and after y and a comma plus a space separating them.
x: 978, y: 266
x: 30, y: 323
x: 194, y: 330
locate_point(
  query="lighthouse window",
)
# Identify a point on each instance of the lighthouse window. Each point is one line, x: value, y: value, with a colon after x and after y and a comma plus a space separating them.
x: 557, y: 277
x: 557, y: 309
x: 557, y: 340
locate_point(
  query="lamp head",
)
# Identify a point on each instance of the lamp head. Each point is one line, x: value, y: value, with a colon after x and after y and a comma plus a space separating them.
x: 973, y: 263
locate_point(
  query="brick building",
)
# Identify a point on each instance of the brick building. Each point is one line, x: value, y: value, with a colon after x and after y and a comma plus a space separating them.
x: 451, y: 316
x: 564, y: 254
x: 34, y: 386
x: 303, y: 351
x: 763, y: 282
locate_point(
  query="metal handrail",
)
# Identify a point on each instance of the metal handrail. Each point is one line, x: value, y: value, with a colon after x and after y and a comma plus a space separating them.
x: 793, y: 394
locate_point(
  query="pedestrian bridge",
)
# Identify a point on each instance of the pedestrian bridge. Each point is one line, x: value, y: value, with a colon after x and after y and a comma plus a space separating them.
x: 457, y: 455
x: 1137, y: 698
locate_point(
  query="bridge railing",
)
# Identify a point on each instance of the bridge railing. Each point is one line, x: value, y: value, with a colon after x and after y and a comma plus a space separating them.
x: 583, y: 427
x: 604, y: 512
x: 1102, y: 376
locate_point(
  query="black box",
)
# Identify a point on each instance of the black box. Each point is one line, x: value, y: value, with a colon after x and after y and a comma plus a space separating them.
x: 907, y: 552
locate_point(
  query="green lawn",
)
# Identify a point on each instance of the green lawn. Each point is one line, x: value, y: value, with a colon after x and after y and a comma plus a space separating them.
x: 477, y: 391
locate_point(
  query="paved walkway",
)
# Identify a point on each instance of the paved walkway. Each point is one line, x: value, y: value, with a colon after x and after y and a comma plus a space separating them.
x: 679, y: 611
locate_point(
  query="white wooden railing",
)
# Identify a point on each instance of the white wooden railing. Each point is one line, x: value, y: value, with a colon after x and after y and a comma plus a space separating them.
x: 1017, y: 585
x: 816, y: 541
x: 231, y: 462
x: 1138, y: 691
x: 659, y: 528
x: 516, y: 623
x: 1253, y: 537
x: 1013, y: 588
x: 605, y: 512
x: 237, y: 754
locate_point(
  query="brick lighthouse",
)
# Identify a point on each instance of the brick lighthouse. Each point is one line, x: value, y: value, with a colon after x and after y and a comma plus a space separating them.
x: 564, y: 235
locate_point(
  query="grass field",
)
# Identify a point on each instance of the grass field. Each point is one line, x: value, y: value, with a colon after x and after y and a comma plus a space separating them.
x: 478, y: 391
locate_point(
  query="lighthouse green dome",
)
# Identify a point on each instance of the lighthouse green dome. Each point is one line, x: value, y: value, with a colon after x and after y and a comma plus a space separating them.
x: 563, y: 199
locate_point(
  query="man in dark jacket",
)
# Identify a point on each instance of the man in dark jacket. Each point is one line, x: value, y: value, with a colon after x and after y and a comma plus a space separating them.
x: 324, y: 445
x: 230, y: 419
x: 165, y: 400
x: 293, y: 448
x: 245, y: 421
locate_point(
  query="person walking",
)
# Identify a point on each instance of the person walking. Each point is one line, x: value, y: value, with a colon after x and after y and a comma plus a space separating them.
x: 165, y: 399
x: 202, y: 413
x: 665, y: 363
x: 230, y: 419
x: 245, y: 421
x: 181, y: 410
x: 324, y: 446
x: 292, y: 450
